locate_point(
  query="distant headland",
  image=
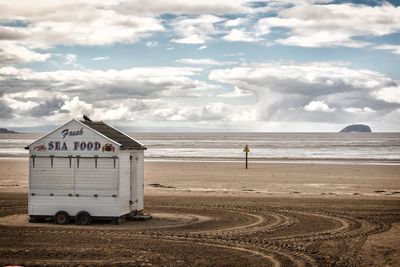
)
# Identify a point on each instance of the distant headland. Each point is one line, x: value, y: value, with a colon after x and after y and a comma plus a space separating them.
x: 6, y: 131
x: 358, y: 128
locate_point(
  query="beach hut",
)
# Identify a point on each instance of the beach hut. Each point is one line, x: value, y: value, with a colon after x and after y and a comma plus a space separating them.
x: 85, y: 170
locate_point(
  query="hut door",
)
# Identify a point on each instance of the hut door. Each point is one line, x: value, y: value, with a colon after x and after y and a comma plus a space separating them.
x: 134, y: 180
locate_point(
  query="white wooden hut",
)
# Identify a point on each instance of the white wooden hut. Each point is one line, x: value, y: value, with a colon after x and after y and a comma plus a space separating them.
x: 84, y: 170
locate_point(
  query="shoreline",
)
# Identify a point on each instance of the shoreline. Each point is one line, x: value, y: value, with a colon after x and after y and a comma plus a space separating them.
x: 281, y: 160
x: 335, y: 161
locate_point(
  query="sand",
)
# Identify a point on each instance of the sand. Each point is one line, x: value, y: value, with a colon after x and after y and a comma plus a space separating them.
x: 273, y: 178
x: 218, y: 214
x: 14, y: 175
x: 215, y: 178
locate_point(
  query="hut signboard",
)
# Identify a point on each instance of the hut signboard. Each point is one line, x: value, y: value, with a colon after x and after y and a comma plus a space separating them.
x: 74, y: 141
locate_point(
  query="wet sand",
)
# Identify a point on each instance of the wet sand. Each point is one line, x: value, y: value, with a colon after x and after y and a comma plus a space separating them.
x: 218, y: 214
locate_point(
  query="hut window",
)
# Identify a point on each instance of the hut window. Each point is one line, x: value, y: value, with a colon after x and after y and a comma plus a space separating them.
x: 95, y: 162
x: 115, y: 162
x: 77, y: 162
x: 52, y: 161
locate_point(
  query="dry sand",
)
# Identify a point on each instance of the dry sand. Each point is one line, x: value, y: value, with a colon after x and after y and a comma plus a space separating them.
x: 218, y: 214
x: 217, y: 178
x: 286, y: 178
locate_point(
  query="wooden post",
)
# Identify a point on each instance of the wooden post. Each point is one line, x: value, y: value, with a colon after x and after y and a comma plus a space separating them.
x: 246, y: 159
x: 247, y: 150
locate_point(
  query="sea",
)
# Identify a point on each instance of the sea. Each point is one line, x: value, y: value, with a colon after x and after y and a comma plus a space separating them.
x: 367, y: 148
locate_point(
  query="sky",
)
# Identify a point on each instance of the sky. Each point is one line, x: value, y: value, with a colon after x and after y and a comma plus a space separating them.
x: 221, y: 65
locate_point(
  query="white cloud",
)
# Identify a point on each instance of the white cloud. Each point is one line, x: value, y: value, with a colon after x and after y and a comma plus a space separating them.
x: 218, y: 7
x: 367, y: 109
x: 70, y: 59
x: 388, y: 94
x: 129, y: 94
x: 92, y: 23
x: 237, y: 92
x: 322, y: 39
x: 240, y: 35
x: 239, y: 54
x: 358, y: 110
x: 318, y: 105
x: 332, y: 24
x: 203, y: 61
x: 148, y: 94
x: 288, y: 92
x: 202, y: 47
x: 208, y: 112
x: 15, y: 53
x: 76, y: 107
x: 395, y: 49
x: 187, y: 113
x: 18, y: 105
x: 236, y: 22
x: 152, y: 44
x: 101, y: 58
x: 34, y: 103
x: 330, y: 74
x: 116, y: 112
x: 109, y: 84
x: 191, y: 39
x: 194, y: 30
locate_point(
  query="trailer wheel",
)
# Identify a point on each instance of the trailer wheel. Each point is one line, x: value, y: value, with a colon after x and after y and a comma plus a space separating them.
x: 83, y: 218
x: 61, y: 217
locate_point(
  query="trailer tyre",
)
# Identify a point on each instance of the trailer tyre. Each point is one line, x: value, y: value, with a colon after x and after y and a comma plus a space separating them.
x: 83, y: 218
x: 61, y: 217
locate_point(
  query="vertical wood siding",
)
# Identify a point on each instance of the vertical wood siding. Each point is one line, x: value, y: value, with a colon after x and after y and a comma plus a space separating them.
x: 140, y: 180
x: 45, y: 179
x: 125, y: 183
x: 100, y: 180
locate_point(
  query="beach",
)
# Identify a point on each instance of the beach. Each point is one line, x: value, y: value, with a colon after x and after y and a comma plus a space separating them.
x: 231, y: 178
x: 218, y: 213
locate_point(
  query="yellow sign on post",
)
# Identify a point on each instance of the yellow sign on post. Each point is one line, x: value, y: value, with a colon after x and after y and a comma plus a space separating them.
x: 247, y: 150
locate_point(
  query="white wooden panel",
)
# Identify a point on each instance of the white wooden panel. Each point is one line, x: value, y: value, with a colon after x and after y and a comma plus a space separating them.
x: 92, y: 180
x: 99, y: 206
x: 134, y: 180
x: 140, y: 180
x: 137, y: 171
x: 125, y: 183
x: 46, y: 178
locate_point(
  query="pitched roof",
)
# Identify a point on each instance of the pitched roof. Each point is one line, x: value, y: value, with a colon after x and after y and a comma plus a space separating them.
x: 114, y: 134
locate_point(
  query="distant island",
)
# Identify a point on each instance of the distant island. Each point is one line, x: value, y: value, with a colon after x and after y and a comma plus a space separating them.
x: 6, y: 131
x: 358, y: 128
